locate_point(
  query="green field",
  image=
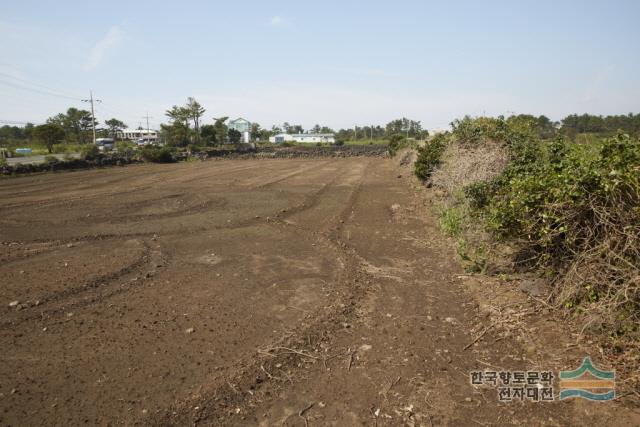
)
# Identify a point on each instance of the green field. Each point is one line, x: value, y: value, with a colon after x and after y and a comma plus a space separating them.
x: 39, y: 148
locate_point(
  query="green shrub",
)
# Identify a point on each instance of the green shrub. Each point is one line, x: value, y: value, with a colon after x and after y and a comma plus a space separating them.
x: 339, y: 143
x: 51, y: 159
x: 474, y: 258
x: 125, y: 147
x: 451, y: 221
x: 157, y: 154
x: 542, y: 194
x: 59, y: 149
x: 429, y: 156
x: 89, y: 152
x: 568, y: 211
x: 574, y: 209
x: 396, y: 141
x: 193, y: 148
x: 474, y: 131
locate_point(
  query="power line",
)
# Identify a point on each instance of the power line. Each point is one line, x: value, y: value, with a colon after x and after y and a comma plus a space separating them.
x: 42, y: 92
x: 147, y: 117
x: 93, y: 117
x: 24, y: 84
x: 30, y: 86
x: 112, y: 111
x: 49, y: 89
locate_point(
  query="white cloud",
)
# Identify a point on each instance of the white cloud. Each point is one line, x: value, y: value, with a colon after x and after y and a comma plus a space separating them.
x: 276, y: 20
x: 98, y: 52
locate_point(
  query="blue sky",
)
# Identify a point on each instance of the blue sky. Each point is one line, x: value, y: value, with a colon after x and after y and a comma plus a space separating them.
x: 336, y: 63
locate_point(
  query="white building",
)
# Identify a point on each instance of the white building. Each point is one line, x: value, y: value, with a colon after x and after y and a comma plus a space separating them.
x: 307, y: 138
x: 138, y: 134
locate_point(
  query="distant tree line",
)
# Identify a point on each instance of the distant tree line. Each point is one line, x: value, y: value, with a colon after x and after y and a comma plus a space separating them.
x: 186, y: 126
x: 571, y: 126
x: 604, y: 125
x: 73, y: 126
x: 403, y: 126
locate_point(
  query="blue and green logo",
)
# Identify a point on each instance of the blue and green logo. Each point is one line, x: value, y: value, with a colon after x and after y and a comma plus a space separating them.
x: 588, y: 382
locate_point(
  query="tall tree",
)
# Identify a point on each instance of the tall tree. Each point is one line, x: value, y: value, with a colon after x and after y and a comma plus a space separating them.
x: 86, y: 124
x: 28, y: 130
x: 256, y: 132
x: 74, y: 123
x: 221, y: 129
x: 208, y: 134
x: 234, y: 136
x: 405, y: 127
x: 114, y: 126
x: 50, y: 134
x: 296, y: 129
x: 195, y: 112
x: 178, y: 133
x: 179, y: 115
x: 175, y: 134
x: 265, y: 134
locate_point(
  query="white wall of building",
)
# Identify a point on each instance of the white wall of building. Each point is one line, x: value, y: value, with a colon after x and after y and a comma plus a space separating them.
x: 281, y: 137
x: 305, y: 138
x: 135, y: 134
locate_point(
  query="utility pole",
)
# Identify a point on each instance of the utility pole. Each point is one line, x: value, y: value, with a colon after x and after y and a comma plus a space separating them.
x: 148, y: 132
x: 355, y: 133
x: 93, y: 116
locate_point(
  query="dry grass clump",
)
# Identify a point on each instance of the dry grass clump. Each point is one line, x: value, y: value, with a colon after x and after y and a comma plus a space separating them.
x: 462, y: 165
x: 602, y: 285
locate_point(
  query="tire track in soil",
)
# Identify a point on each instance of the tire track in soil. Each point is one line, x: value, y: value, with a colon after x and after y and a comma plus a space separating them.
x: 158, y: 177
x: 293, y: 174
x: 250, y: 371
x: 279, y: 372
x: 322, y: 323
x: 198, y: 208
x: 102, y: 283
x: 93, y: 291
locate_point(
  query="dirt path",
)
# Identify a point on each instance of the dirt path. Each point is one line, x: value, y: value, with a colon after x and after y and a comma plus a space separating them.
x: 273, y: 292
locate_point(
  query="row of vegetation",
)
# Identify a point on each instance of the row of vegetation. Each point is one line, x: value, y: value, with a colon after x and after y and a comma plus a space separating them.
x: 543, y: 203
x: 186, y: 127
x: 62, y: 133
x: 66, y: 132
x: 126, y: 152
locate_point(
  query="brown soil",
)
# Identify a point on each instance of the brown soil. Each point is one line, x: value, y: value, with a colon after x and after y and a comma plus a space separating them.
x: 256, y: 292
